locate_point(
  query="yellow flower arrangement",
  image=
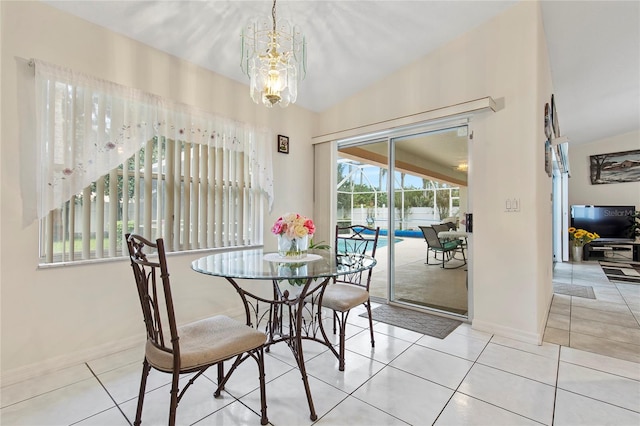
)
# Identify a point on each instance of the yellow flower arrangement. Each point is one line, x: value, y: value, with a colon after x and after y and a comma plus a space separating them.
x: 580, y: 237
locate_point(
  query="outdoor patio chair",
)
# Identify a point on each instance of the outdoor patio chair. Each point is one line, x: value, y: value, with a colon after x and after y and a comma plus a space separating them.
x: 452, y: 226
x: 352, y: 290
x: 437, y: 246
x: 441, y: 227
x: 189, y: 348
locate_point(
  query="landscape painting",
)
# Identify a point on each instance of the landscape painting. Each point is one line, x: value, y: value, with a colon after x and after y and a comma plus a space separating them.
x: 615, y: 167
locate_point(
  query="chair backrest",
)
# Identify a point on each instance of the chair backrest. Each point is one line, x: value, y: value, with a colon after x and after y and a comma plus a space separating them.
x: 356, y: 239
x: 440, y: 227
x: 152, y: 282
x: 431, y: 237
x: 452, y: 226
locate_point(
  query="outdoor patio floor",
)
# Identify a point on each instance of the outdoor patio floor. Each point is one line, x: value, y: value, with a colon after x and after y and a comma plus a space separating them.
x: 419, y: 283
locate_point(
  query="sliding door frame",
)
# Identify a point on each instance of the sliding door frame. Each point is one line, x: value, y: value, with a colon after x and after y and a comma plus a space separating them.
x: 389, y: 137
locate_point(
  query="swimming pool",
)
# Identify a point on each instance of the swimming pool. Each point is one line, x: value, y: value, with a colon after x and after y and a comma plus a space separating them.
x: 399, y: 233
x: 382, y: 242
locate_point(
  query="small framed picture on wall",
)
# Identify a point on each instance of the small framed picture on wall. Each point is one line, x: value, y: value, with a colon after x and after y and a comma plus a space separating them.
x: 283, y: 144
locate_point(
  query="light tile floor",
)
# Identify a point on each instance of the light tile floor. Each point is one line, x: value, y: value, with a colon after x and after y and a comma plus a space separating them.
x: 468, y: 378
x: 607, y: 325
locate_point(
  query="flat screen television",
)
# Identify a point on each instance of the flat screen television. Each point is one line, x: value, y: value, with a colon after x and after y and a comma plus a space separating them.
x: 611, y: 223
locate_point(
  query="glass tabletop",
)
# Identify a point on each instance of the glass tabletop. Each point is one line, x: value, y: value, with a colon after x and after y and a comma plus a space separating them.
x: 258, y: 264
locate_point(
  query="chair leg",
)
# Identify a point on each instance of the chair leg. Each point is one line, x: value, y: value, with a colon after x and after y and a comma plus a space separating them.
x: 143, y: 384
x: 367, y: 304
x: 174, y: 398
x: 435, y: 257
x: 342, y: 320
x: 263, y: 392
x: 220, y: 388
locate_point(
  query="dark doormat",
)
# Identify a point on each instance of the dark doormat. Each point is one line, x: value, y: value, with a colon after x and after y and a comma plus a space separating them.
x: 585, y: 291
x: 420, y: 322
x: 621, y: 271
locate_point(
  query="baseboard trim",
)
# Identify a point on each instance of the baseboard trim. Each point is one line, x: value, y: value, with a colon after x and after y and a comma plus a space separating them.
x: 51, y: 365
x: 545, y: 318
x: 30, y: 371
x: 511, y: 333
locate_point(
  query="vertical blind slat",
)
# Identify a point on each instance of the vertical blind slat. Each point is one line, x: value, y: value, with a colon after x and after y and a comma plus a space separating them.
x: 203, y: 193
x: 187, y: 188
x: 177, y: 195
x: 169, y: 192
x: 71, y: 229
x: 86, y: 223
x: 125, y: 205
x: 225, y: 194
x: 210, y: 197
x: 137, y: 195
x: 113, y: 212
x: 147, y: 196
x: 219, y: 188
x: 48, y: 226
x: 240, y: 203
x: 197, y: 230
x: 158, y: 180
x: 99, y: 222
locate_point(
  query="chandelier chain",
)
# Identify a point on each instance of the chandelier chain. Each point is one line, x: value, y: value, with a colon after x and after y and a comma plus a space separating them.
x: 273, y: 14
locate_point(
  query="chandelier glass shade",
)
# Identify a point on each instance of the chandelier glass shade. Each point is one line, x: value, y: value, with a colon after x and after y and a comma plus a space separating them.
x: 274, y: 56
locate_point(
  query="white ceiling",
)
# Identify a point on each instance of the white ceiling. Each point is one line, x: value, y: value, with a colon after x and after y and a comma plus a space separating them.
x: 594, y: 47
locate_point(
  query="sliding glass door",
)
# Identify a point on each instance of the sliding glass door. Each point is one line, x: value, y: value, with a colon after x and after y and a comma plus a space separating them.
x: 362, y: 199
x: 401, y: 184
x: 429, y: 188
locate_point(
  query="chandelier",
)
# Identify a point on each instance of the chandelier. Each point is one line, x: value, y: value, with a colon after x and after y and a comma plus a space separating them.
x: 274, y: 56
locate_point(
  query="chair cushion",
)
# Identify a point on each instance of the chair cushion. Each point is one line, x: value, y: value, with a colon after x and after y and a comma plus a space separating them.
x: 450, y: 245
x: 342, y: 297
x: 207, y: 341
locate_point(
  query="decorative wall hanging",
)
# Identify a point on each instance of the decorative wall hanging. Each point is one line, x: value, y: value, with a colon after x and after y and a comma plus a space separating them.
x: 547, y: 144
x: 283, y: 144
x: 555, y: 146
x: 554, y: 118
x: 615, y: 167
x: 548, y: 160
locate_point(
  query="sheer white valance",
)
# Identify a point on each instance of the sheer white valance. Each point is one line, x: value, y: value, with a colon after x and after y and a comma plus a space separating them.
x: 87, y: 127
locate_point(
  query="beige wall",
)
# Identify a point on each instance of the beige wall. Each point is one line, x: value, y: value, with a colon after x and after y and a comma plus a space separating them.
x: 511, y: 252
x: 580, y: 189
x: 62, y: 315
x: 52, y: 317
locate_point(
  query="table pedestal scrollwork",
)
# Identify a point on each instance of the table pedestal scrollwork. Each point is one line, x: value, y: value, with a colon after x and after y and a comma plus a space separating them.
x: 293, y: 313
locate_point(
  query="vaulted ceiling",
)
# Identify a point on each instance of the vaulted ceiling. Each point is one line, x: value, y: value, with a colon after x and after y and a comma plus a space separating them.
x: 594, y: 46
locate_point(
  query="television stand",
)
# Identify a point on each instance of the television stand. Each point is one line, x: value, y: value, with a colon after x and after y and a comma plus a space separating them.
x: 612, y: 250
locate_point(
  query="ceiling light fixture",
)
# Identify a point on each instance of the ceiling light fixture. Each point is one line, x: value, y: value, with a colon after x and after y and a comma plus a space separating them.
x: 274, y: 56
x: 463, y: 167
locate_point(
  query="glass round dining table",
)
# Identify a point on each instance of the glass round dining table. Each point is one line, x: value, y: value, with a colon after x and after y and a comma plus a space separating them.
x: 292, y: 312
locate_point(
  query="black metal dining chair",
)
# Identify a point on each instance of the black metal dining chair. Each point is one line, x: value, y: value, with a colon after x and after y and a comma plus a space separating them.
x: 188, y: 348
x: 351, y: 290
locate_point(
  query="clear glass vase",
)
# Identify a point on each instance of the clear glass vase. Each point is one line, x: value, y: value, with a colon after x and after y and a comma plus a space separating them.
x: 294, y: 248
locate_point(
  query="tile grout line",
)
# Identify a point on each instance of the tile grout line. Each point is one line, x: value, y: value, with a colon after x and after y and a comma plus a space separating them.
x: 482, y: 400
x: 461, y: 381
x: 351, y: 394
x: 110, y: 396
x: 555, y: 389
